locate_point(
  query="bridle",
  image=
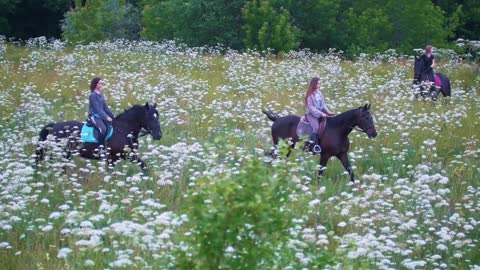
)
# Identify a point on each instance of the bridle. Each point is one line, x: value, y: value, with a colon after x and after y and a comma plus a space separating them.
x: 145, y: 133
x: 357, y: 128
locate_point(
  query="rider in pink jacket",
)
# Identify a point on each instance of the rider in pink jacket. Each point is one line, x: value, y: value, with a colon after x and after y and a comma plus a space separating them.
x: 316, y: 108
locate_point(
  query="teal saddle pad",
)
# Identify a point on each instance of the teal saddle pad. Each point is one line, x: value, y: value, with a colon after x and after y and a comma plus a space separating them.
x: 87, y: 134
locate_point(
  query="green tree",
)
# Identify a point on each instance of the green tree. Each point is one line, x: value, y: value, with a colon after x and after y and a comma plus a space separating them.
x: 32, y: 18
x: 7, y: 7
x: 403, y: 25
x: 97, y: 20
x: 369, y: 31
x: 194, y: 22
x: 416, y: 23
x: 470, y: 24
x: 158, y: 19
x: 265, y: 27
x: 317, y: 21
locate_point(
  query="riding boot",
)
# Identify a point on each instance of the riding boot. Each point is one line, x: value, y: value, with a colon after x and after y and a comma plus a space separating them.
x: 316, y: 147
x: 103, y: 140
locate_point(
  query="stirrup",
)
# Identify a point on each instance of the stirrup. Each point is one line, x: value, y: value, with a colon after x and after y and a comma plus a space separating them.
x: 317, y: 148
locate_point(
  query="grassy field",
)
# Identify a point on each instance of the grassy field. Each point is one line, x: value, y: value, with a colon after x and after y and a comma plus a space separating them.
x: 212, y: 199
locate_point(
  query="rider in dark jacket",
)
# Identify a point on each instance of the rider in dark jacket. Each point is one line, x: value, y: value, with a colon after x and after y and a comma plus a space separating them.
x: 98, y: 110
x: 429, y: 62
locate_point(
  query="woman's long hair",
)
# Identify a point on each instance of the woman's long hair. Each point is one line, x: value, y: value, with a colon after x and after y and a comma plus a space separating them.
x: 94, y: 83
x: 311, y: 89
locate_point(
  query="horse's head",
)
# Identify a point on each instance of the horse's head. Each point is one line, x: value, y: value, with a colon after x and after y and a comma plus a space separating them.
x: 418, y: 70
x: 151, y: 123
x: 365, y: 121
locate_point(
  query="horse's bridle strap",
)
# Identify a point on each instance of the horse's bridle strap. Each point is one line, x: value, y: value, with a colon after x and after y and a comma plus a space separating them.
x: 145, y: 133
x: 358, y: 129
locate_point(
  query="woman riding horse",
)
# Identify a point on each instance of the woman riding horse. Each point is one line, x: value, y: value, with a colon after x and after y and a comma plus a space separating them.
x: 126, y: 131
x: 335, y: 140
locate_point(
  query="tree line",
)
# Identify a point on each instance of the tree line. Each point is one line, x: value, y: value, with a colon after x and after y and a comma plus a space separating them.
x: 353, y: 26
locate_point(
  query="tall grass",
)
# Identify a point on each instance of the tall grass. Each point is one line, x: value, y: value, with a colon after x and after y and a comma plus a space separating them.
x: 414, y: 206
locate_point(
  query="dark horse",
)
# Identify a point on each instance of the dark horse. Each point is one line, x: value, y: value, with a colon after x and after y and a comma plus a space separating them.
x: 334, y: 141
x: 423, y: 87
x: 126, y: 130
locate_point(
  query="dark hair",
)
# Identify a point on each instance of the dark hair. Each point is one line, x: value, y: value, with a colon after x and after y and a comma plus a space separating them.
x: 94, y: 83
x: 311, y: 89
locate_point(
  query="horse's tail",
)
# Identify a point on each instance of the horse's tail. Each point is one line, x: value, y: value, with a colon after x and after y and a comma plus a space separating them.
x: 271, y: 115
x: 40, y: 152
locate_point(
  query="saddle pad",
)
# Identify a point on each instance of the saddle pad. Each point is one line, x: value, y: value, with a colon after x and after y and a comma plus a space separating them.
x: 438, y: 81
x: 303, y: 127
x: 87, y: 134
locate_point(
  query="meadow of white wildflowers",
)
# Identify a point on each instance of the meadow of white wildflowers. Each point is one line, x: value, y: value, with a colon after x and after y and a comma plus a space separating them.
x: 416, y: 203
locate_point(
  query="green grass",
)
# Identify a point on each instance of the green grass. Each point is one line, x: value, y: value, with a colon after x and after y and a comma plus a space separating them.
x: 227, y: 144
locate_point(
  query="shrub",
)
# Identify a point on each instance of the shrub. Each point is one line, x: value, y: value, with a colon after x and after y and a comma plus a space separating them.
x: 97, y: 20
x: 238, y: 222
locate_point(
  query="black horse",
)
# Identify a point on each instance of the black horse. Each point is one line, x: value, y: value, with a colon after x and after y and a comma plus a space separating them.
x: 126, y: 130
x: 423, y: 87
x: 334, y: 141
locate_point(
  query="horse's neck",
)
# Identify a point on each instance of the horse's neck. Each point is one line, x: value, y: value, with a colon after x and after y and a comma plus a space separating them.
x: 131, y: 124
x: 344, y: 122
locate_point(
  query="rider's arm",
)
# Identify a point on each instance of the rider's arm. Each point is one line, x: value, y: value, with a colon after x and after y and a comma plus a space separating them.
x: 326, y: 110
x: 108, y: 111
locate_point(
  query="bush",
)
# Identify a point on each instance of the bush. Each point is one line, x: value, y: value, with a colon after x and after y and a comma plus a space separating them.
x: 238, y: 222
x: 101, y: 20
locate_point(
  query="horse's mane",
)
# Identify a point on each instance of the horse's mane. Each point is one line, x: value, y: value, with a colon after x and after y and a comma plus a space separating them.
x: 131, y: 114
x: 343, y: 118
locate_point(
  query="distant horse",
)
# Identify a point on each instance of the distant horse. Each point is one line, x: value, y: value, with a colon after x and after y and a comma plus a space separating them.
x: 126, y: 130
x: 423, y: 87
x: 334, y: 141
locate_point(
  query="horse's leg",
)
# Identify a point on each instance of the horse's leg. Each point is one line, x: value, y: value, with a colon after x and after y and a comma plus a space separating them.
x: 290, y: 149
x: 71, y: 145
x: 40, y: 151
x: 343, y: 157
x: 136, y: 159
x: 446, y: 90
x: 142, y: 165
x: 273, y: 151
x: 111, y: 162
x: 434, y: 92
x: 324, y: 157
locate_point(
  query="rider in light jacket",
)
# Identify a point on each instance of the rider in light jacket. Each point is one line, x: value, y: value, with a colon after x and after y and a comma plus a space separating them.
x: 316, y: 109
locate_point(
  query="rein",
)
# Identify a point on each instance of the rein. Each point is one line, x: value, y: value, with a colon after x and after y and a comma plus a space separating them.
x: 144, y: 133
x: 359, y: 129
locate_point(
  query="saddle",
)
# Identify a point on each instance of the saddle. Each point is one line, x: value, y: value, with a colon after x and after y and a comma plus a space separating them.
x: 304, y: 128
x: 90, y: 132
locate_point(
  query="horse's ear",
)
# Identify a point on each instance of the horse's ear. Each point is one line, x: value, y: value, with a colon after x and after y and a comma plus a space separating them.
x: 147, y: 106
x: 368, y: 107
x: 155, y: 105
x: 365, y: 107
